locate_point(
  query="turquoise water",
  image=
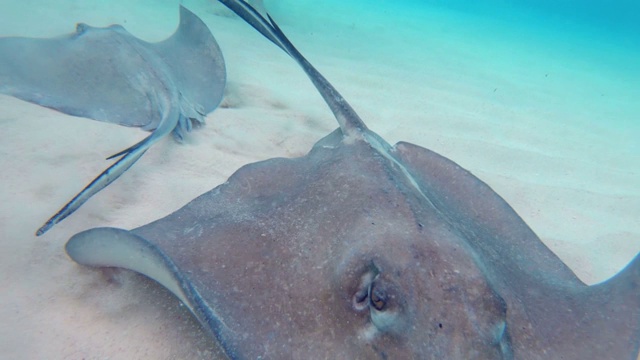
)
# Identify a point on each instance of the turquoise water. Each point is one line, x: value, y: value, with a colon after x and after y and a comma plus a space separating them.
x: 621, y: 16
x: 579, y: 60
x: 588, y: 51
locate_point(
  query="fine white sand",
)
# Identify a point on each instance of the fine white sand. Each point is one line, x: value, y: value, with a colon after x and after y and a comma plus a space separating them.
x: 551, y: 123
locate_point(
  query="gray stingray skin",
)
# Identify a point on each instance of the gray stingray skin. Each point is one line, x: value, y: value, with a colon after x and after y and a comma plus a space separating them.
x: 108, y: 75
x: 362, y: 250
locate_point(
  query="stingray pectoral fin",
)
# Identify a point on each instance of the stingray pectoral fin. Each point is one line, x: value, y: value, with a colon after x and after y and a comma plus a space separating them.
x: 112, y: 247
x: 200, y: 76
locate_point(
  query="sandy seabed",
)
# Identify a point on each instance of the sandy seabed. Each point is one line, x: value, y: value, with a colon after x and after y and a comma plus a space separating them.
x: 557, y: 137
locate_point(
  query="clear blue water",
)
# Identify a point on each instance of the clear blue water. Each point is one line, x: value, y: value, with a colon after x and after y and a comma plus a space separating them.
x: 589, y: 50
x: 622, y: 16
x: 617, y: 15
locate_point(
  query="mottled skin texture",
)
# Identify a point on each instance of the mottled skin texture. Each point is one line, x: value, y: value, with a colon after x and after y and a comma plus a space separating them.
x: 337, y: 255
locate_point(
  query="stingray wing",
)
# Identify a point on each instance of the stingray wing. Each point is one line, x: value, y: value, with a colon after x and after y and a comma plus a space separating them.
x: 107, y: 74
x: 493, y: 228
x: 196, y: 62
x: 549, y: 310
x: 94, y: 73
x: 112, y: 247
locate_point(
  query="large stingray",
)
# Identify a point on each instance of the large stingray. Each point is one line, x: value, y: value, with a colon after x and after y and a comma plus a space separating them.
x: 362, y: 250
x: 108, y: 75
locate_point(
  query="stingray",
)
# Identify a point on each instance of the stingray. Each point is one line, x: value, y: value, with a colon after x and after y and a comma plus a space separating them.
x: 363, y: 250
x: 107, y: 74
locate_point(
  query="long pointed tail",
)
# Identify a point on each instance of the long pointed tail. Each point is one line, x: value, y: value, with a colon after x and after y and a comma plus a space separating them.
x: 108, y: 176
x: 350, y: 123
x: 129, y: 157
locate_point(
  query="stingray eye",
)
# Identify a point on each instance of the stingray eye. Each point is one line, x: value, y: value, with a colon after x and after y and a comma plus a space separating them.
x: 378, y: 298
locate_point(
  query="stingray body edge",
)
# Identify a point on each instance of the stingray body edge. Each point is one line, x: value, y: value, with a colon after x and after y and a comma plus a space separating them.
x: 113, y: 247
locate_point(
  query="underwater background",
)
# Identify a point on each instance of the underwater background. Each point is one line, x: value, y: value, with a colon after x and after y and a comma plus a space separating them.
x: 540, y: 99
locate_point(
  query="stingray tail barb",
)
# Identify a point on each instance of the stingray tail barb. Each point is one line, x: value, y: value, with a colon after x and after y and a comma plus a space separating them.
x: 130, y: 149
x: 350, y: 123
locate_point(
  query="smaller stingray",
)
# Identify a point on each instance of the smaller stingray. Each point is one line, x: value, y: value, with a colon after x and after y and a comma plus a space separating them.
x: 107, y: 74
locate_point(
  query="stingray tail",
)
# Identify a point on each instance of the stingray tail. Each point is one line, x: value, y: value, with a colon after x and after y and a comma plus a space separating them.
x: 131, y: 155
x: 128, y: 150
x: 350, y: 123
